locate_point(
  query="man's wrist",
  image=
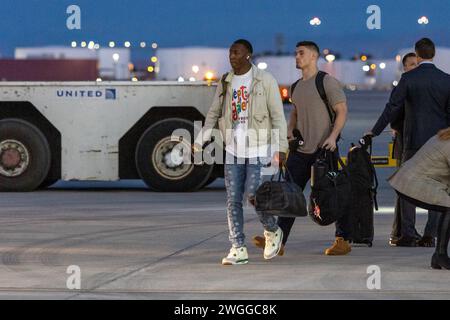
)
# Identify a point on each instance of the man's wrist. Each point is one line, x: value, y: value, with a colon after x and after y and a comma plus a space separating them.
x: 196, y: 147
x: 375, y: 131
x: 334, y: 135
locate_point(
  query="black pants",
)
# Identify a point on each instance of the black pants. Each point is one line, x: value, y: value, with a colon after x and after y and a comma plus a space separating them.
x: 299, y: 165
x: 443, y: 228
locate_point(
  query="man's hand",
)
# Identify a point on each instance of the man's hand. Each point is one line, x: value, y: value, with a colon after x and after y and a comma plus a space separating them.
x: 394, y: 133
x: 196, y: 148
x: 279, y: 158
x: 330, y: 143
x: 196, y: 155
x: 290, y: 134
x: 367, y: 138
x: 252, y: 200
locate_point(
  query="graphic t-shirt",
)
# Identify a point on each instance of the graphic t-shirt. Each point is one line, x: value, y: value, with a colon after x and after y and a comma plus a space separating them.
x: 239, y: 147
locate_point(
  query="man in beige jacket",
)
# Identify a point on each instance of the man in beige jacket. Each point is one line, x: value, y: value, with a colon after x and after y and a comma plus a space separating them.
x: 249, y: 111
x: 424, y: 180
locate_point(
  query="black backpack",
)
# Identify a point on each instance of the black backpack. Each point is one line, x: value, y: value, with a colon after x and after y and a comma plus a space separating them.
x: 330, y: 196
x: 364, y: 184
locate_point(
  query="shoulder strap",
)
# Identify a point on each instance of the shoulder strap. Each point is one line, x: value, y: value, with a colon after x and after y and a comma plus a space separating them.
x: 224, y: 90
x: 293, y: 87
x: 375, y: 178
x: 321, y: 89
x: 224, y: 84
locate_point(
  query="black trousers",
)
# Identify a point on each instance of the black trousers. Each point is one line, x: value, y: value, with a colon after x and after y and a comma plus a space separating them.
x: 299, y: 165
x: 443, y: 228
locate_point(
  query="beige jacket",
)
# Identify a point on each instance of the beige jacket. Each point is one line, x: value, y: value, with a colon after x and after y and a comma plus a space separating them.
x: 265, y: 112
x: 426, y: 176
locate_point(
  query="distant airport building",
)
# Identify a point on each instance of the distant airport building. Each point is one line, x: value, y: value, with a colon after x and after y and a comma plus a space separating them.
x: 379, y: 74
x: 48, y: 70
x: 112, y: 63
x: 202, y: 63
x: 191, y: 63
x: 370, y: 74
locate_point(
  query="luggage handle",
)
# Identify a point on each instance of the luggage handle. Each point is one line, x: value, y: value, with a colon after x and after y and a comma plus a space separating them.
x: 327, y: 156
x: 281, y: 174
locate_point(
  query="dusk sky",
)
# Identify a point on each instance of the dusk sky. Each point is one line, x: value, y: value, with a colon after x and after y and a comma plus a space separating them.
x: 173, y: 23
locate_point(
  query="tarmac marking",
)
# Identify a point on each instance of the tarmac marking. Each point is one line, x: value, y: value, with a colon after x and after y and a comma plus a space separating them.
x: 391, y: 210
x: 235, y: 291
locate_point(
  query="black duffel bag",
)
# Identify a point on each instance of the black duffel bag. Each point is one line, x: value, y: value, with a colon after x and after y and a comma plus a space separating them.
x: 281, y: 198
x: 331, y: 193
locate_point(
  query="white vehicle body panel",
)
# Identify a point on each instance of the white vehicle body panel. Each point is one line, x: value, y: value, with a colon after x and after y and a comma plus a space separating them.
x: 92, y: 125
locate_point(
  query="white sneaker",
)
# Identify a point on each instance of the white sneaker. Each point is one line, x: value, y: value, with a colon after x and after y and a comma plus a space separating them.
x: 236, y: 256
x: 273, y: 243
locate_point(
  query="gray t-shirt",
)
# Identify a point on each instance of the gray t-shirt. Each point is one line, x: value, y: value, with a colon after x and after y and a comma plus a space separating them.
x: 313, y: 119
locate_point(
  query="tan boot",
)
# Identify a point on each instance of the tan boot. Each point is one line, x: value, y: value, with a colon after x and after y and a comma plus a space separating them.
x: 260, y: 242
x: 339, y: 248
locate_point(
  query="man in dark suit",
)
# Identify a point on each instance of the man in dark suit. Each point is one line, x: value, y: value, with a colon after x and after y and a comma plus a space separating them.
x: 423, y: 95
x: 409, y: 62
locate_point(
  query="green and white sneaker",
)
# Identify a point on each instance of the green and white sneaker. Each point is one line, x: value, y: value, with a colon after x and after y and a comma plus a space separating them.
x: 273, y: 243
x: 236, y: 256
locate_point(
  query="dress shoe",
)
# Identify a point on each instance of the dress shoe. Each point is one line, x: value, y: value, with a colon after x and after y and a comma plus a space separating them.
x: 440, y: 262
x: 428, y: 242
x: 393, y: 241
x: 440, y: 259
x: 406, y: 242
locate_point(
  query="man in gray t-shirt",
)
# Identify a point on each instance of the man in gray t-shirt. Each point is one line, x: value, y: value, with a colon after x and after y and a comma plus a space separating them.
x: 310, y: 116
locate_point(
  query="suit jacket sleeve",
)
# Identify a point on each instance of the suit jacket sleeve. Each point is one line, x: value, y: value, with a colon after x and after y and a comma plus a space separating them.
x: 394, y: 108
x: 383, y: 120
